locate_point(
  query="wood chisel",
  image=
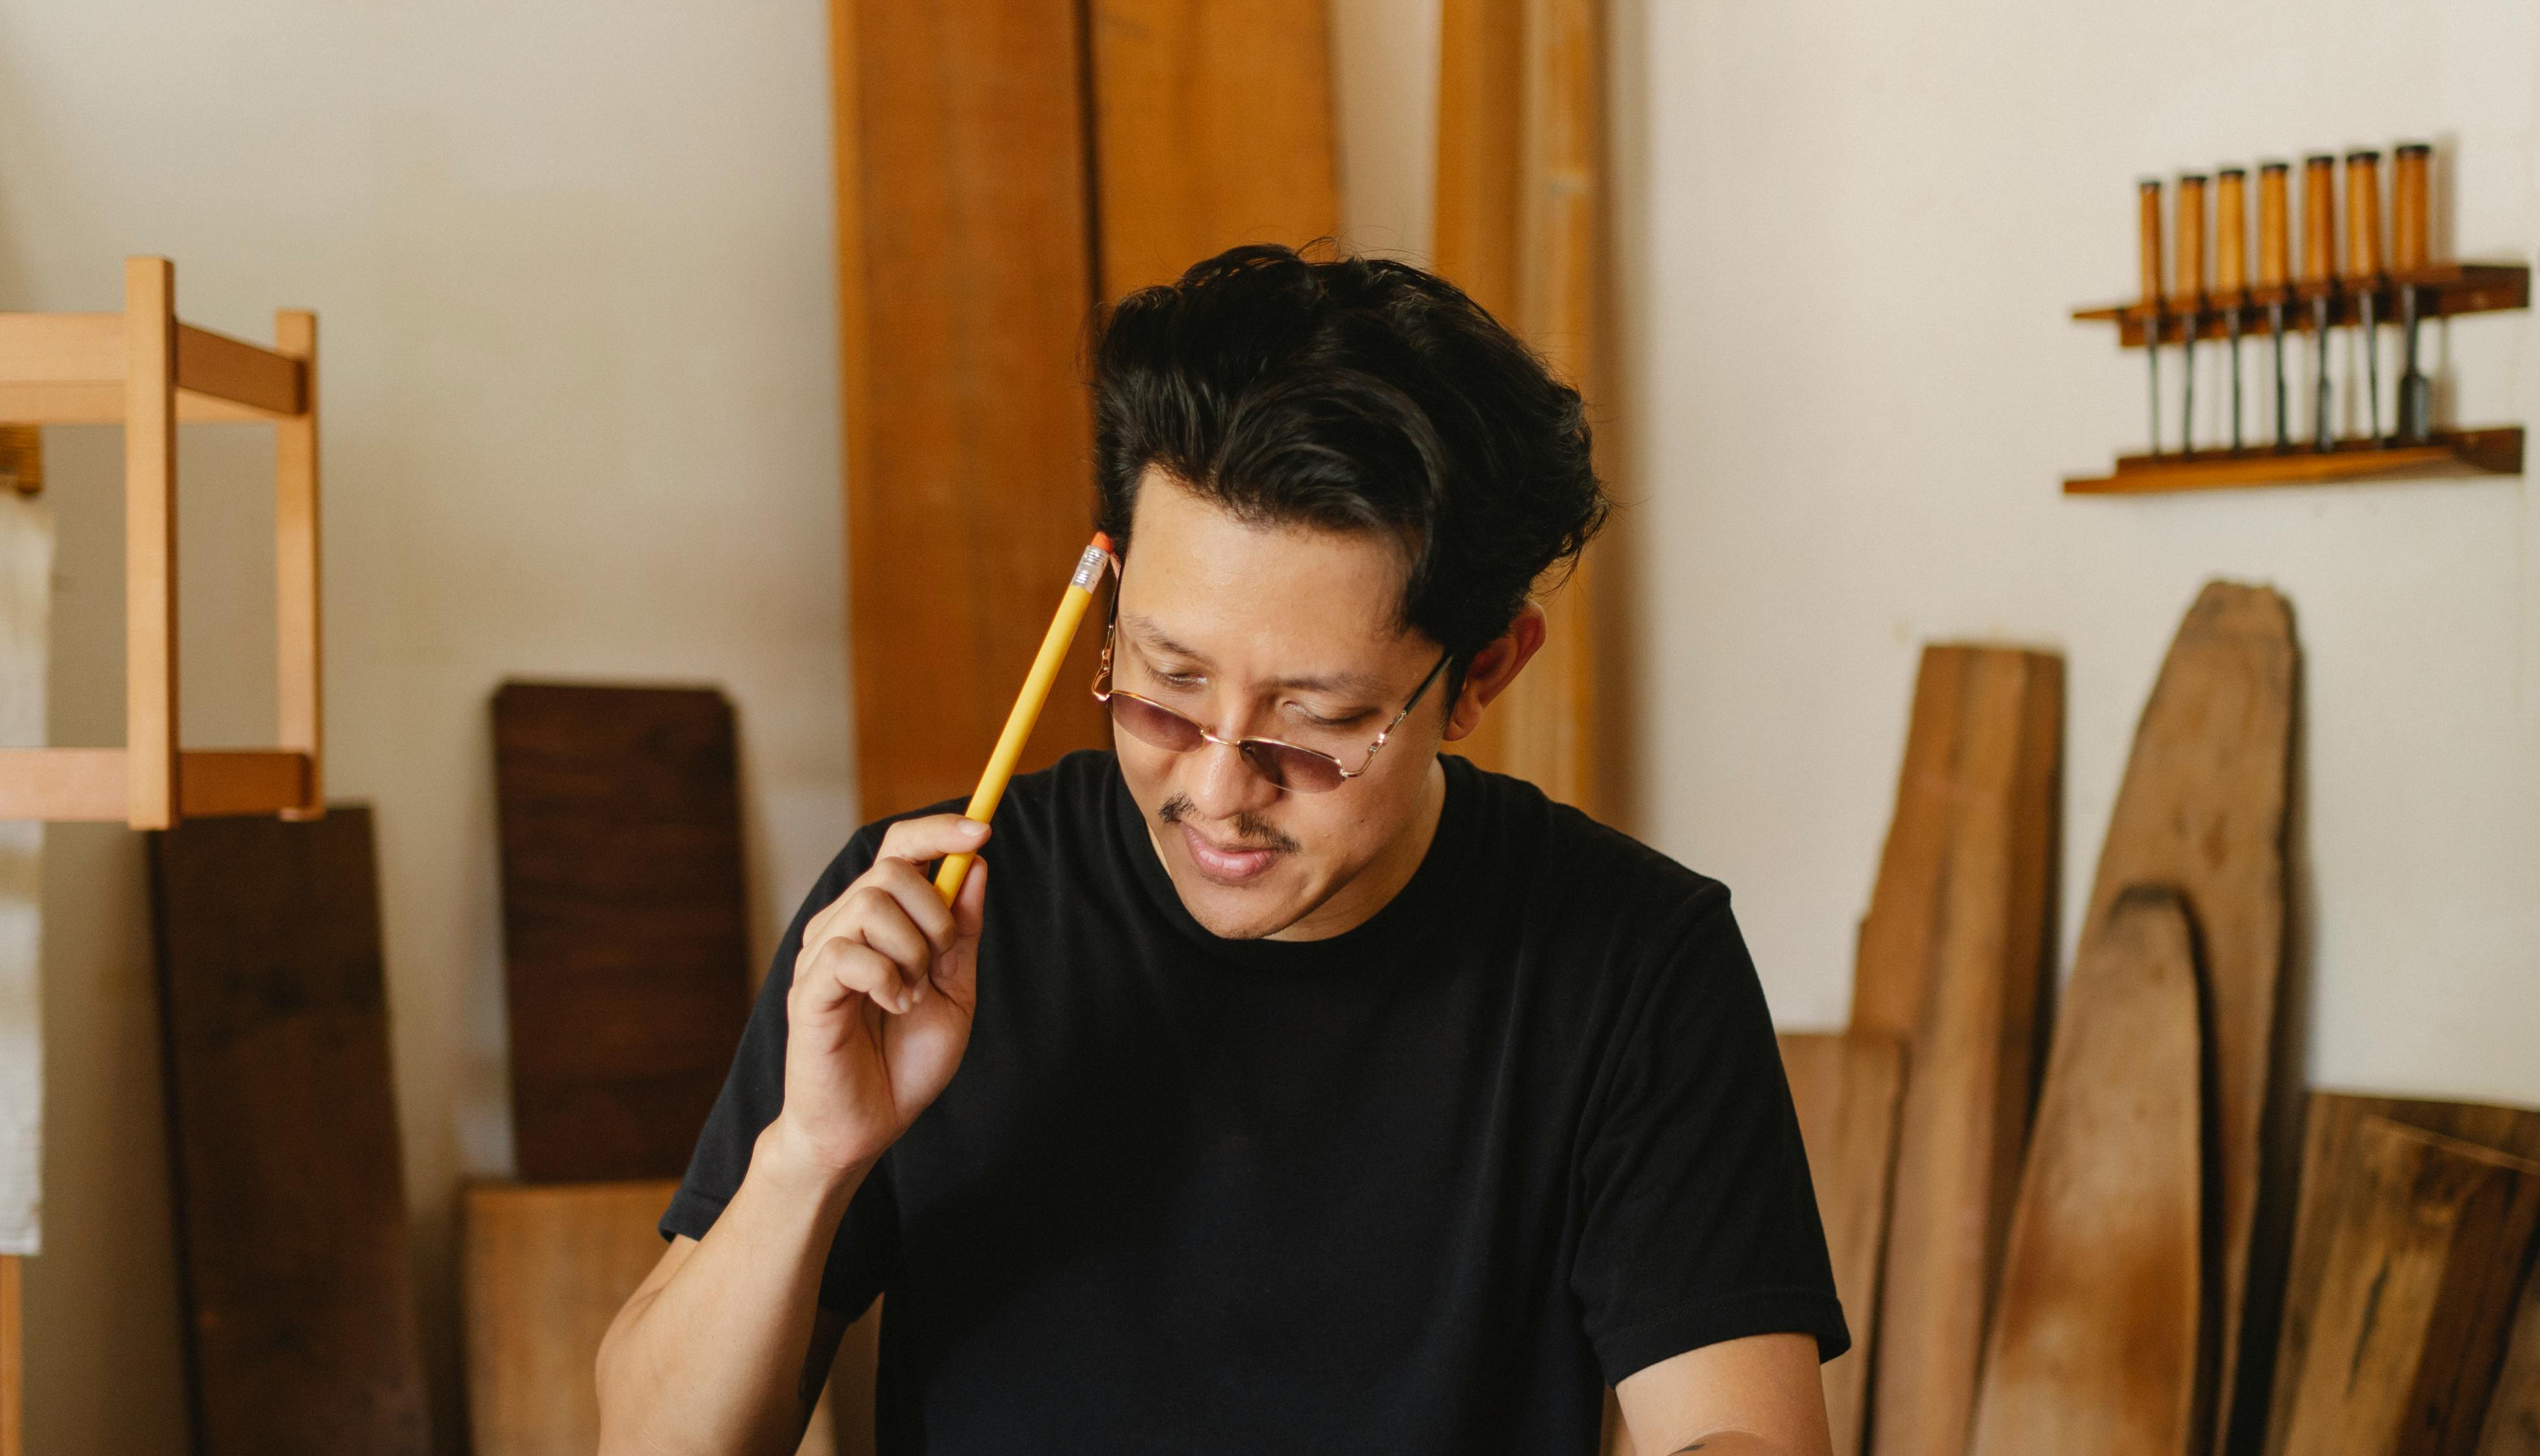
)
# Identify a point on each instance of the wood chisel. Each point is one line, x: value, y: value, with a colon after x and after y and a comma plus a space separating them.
x: 2190, y: 271
x: 2275, y: 271
x: 2148, y: 218
x: 2232, y: 270
x: 2318, y: 278
x: 2408, y: 256
x: 2363, y: 270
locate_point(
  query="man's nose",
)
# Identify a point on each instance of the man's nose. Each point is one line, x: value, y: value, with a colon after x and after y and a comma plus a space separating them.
x: 1221, y: 783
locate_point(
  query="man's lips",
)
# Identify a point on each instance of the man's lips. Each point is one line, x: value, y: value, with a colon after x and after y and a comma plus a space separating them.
x: 1226, y: 866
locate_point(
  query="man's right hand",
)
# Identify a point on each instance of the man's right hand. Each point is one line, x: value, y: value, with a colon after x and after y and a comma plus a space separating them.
x: 882, y: 994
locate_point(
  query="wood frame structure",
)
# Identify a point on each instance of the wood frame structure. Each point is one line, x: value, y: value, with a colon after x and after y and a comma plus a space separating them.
x: 148, y: 370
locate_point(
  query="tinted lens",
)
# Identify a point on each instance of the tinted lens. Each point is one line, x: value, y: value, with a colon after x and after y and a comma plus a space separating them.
x: 1153, y: 724
x: 1297, y: 770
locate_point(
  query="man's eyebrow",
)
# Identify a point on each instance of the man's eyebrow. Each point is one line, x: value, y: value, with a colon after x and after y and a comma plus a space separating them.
x: 1363, y: 684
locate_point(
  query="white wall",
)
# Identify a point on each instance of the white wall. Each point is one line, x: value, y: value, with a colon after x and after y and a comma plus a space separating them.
x: 572, y: 265
x: 1855, y: 389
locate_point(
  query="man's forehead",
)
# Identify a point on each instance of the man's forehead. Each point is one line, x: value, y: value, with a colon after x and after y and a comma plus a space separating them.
x: 1148, y: 632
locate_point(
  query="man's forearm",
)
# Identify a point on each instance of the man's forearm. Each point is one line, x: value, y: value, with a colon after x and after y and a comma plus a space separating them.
x: 712, y: 1358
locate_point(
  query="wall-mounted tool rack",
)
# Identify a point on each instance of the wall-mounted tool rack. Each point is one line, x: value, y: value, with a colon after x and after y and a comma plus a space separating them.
x: 2188, y: 305
x: 147, y: 370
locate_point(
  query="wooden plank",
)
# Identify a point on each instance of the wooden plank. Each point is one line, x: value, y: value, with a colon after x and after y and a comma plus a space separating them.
x: 2098, y: 1341
x: 624, y: 922
x: 2427, y: 1240
x: 299, y: 644
x: 13, y: 1358
x: 292, y: 1244
x: 544, y: 1268
x: 61, y: 785
x: 2512, y: 1425
x: 964, y: 280
x: 2202, y: 809
x: 1847, y: 1087
x: 1213, y: 126
x: 149, y: 543
x: 1971, y: 963
x: 2327, y: 1152
x: 101, y: 402
x: 1522, y: 226
x: 62, y: 348
x: 237, y: 371
x: 242, y: 781
x: 2450, y: 454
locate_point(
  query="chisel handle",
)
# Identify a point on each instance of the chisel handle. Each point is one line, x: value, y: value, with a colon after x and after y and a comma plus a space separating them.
x: 2231, y: 234
x: 2190, y: 267
x: 2319, y: 218
x: 2275, y: 225
x: 2363, y: 215
x: 2408, y: 216
x: 2147, y: 215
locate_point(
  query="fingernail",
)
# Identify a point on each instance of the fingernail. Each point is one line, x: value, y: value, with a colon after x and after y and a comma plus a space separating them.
x: 973, y: 828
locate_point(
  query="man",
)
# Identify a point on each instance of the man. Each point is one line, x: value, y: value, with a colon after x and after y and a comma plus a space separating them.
x: 1289, y: 1087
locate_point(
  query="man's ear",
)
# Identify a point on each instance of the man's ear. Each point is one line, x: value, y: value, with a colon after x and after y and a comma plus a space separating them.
x: 1494, y: 667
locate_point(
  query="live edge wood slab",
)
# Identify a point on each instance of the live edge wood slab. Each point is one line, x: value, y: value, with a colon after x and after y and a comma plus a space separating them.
x: 2202, y: 811
x: 2100, y: 1337
x: 1954, y: 954
x: 297, y: 1284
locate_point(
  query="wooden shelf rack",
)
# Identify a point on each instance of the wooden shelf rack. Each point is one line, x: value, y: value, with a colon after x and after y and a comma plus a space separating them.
x: 147, y: 370
x: 2442, y: 290
x: 2496, y: 451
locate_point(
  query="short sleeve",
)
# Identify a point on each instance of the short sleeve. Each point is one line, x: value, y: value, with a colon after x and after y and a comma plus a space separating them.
x: 1699, y: 1223
x: 752, y: 1093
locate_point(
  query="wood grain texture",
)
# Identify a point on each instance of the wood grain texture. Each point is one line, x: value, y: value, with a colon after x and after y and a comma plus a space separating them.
x: 2328, y: 1142
x: 544, y: 1268
x: 13, y: 1358
x: 2099, y: 1337
x: 624, y: 922
x: 1847, y: 1087
x: 966, y: 277
x: 1953, y: 955
x: 1523, y: 227
x: 2202, y: 810
x: 2424, y: 1242
x: 299, y: 589
x: 291, y: 1225
x: 2513, y: 1426
x: 149, y: 676
x: 1212, y: 126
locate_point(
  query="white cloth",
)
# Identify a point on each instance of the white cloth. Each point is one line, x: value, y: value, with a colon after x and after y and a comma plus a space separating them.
x: 25, y: 601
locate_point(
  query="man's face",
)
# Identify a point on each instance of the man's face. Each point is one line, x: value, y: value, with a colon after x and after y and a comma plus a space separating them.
x: 1274, y: 632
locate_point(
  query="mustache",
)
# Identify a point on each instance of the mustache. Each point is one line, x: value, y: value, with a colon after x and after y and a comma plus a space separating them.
x: 1255, y: 832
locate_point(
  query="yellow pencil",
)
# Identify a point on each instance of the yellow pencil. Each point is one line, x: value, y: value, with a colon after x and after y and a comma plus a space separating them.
x: 1037, y: 684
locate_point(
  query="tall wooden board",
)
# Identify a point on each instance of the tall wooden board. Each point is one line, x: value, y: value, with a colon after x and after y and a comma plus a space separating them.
x: 2099, y: 1337
x: 1522, y: 225
x: 965, y: 275
x: 2513, y: 1426
x: 624, y: 926
x: 1847, y: 1087
x: 291, y: 1232
x: 2203, y: 808
x: 2425, y: 1241
x: 2327, y: 1160
x: 1212, y: 126
x: 1954, y: 957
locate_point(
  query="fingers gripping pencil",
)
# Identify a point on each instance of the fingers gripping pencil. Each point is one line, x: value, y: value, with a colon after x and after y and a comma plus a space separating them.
x: 1027, y: 704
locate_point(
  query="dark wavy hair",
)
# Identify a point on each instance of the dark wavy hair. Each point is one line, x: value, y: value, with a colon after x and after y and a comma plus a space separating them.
x: 1350, y: 393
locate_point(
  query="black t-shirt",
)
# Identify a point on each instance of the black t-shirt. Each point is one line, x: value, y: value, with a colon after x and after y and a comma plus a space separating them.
x: 1425, y: 1185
